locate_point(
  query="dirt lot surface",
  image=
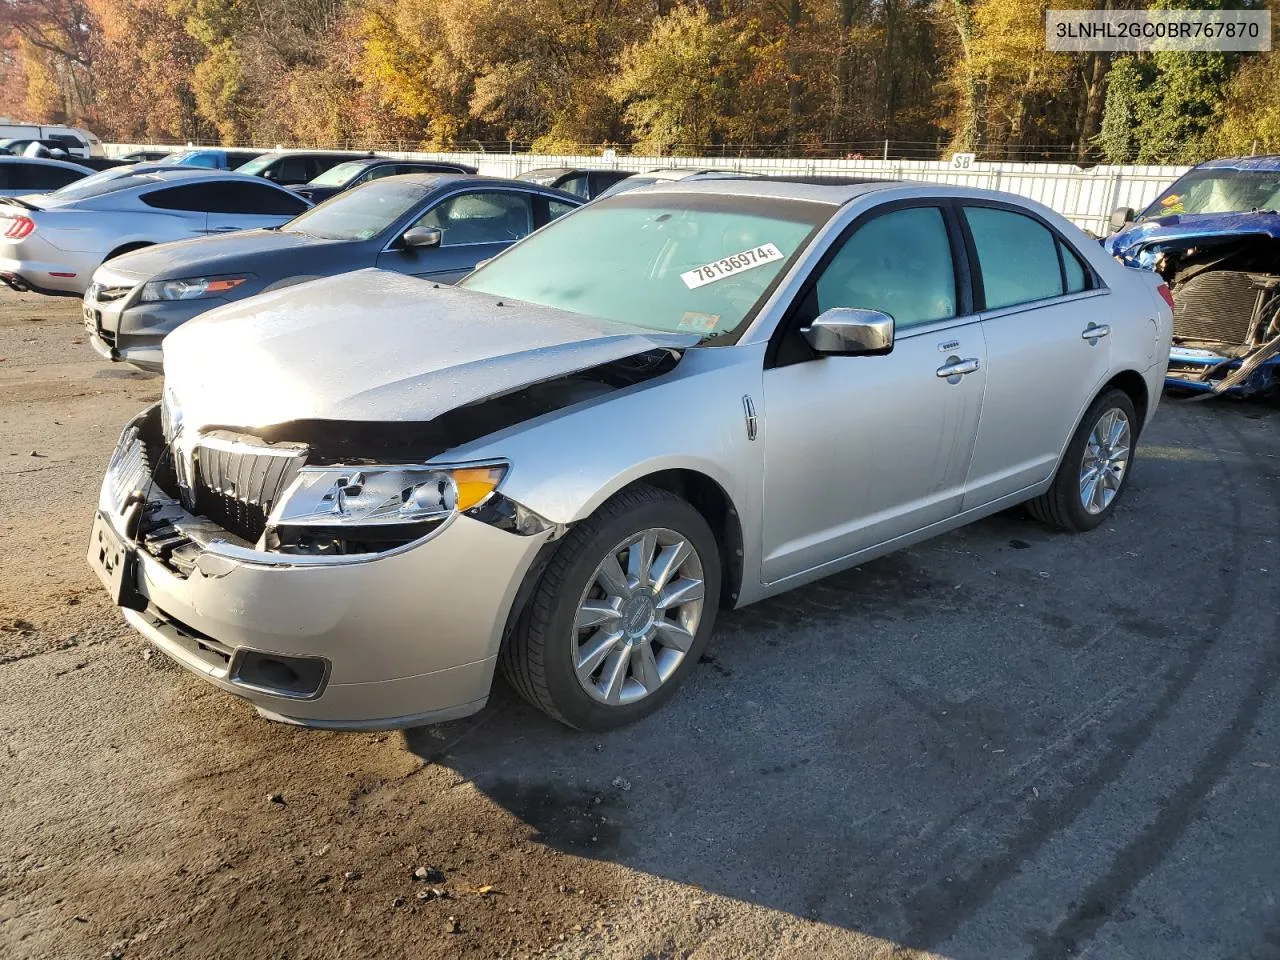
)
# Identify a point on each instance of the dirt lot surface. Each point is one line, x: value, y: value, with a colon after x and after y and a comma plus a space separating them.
x: 1006, y: 743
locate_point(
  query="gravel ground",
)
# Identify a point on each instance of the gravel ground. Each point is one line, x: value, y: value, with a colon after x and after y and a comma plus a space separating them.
x: 1006, y: 743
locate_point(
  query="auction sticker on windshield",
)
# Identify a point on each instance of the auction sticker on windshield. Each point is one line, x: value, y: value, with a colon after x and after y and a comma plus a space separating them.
x: 728, y: 266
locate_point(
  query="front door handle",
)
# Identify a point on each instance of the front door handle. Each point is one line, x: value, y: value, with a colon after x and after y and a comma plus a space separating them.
x: 955, y: 368
x: 223, y: 229
x: 1095, y: 332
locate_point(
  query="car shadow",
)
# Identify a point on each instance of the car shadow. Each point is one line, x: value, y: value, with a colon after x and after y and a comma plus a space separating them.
x: 884, y: 749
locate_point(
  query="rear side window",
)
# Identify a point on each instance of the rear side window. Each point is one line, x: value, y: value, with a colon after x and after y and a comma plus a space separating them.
x: 68, y: 140
x: 1073, y: 270
x: 558, y: 208
x: 38, y: 177
x: 1021, y: 259
x: 292, y: 170
x: 898, y: 263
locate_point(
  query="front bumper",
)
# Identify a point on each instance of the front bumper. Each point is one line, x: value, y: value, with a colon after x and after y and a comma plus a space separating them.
x: 402, y: 639
x: 1201, y: 370
x: 129, y: 332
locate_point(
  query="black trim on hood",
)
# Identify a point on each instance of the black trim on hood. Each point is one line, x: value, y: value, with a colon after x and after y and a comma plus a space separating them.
x: 411, y: 441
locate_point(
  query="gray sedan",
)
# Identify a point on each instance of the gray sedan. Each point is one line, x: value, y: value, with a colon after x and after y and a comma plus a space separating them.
x: 361, y: 496
x: 52, y: 243
x: 427, y: 225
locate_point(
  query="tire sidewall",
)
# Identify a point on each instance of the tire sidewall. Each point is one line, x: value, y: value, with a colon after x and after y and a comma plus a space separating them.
x: 1069, y: 478
x: 574, y: 703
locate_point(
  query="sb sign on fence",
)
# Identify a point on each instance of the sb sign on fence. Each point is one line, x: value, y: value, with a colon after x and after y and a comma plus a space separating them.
x: 962, y: 161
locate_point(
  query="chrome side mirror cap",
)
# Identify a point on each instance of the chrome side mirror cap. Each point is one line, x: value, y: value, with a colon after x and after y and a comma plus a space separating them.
x: 851, y: 331
x: 1121, y: 216
x: 422, y: 237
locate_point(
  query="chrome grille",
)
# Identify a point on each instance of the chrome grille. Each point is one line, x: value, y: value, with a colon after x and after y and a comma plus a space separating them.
x: 99, y: 293
x: 129, y: 467
x: 239, y: 478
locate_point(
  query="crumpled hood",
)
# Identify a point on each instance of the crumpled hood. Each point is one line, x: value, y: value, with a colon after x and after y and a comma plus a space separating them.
x: 1140, y: 242
x: 201, y: 256
x: 378, y: 346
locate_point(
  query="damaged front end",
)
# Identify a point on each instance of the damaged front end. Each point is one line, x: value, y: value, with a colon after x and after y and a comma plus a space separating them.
x: 333, y: 488
x: 1225, y: 282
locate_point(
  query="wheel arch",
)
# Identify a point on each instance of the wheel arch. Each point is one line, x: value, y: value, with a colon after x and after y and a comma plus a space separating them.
x: 129, y: 247
x: 1135, y: 386
x: 711, y: 500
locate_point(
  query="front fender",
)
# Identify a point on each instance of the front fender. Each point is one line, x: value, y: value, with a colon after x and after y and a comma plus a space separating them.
x: 566, y: 464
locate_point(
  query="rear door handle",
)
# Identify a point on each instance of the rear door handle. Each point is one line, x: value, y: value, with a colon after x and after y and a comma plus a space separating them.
x: 957, y: 368
x: 1094, y: 333
x: 223, y: 229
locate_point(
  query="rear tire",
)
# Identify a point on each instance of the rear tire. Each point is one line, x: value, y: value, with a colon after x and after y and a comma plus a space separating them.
x: 1094, y: 471
x: 599, y: 643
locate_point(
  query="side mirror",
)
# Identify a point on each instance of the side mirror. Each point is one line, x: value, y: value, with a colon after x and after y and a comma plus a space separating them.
x: 422, y: 237
x: 851, y: 331
x: 1121, y: 216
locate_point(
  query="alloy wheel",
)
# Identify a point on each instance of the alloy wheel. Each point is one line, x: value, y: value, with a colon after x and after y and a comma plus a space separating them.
x: 638, y: 616
x: 1105, y: 460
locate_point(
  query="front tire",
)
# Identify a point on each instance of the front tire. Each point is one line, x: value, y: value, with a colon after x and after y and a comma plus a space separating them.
x: 621, y: 614
x: 1095, y: 470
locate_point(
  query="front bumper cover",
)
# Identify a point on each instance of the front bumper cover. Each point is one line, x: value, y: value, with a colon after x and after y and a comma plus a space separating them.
x: 406, y: 638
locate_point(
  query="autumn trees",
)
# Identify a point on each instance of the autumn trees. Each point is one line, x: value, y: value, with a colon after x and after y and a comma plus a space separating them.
x: 812, y: 77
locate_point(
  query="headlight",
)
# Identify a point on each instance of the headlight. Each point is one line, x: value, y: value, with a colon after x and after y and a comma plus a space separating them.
x: 378, y: 496
x: 190, y: 288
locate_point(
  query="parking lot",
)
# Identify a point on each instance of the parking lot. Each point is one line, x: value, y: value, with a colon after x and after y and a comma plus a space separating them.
x: 1007, y: 742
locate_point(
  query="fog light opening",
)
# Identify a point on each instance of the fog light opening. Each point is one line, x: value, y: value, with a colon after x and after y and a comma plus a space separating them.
x: 299, y: 678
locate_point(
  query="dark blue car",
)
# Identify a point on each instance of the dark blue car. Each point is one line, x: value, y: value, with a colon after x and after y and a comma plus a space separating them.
x: 1214, y: 235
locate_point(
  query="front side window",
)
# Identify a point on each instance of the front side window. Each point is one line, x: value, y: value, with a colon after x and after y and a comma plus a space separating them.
x: 481, y: 217
x: 252, y: 199
x: 1021, y: 259
x: 38, y: 178
x: 898, y: 263
x: 687, y: 264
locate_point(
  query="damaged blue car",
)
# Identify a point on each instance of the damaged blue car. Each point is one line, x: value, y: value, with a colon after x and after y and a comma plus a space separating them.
x: 1214, y: 236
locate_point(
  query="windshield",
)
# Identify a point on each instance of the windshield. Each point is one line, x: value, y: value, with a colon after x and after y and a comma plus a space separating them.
x: 1219, y: 191
x: 339, y: 175
x: 197, y: 158
x: 543, y: 178
x: 358, y: 214
x: 627, y: 185
x: 258, y: 164
x: 694, y: 264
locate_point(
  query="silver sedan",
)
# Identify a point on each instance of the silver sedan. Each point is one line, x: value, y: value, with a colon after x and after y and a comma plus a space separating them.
x: 363, y: 494
x: 52, y: 243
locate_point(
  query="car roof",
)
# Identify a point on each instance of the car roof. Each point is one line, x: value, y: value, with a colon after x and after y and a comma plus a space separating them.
x: 832, y: 190
x: 433, y: 180
x: 546, y: 170
x: 47, y: 162
x: 1269, y: 163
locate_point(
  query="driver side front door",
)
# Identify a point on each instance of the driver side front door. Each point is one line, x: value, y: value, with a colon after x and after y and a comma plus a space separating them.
x: 861, y: 450
x: 474, y: 226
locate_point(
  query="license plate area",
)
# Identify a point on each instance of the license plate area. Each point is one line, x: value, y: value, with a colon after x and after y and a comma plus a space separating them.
x: 92, y: 319
x: 116, y: 565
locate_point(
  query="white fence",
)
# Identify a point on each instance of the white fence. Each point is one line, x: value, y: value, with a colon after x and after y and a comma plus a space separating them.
x: 1086, y: 197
